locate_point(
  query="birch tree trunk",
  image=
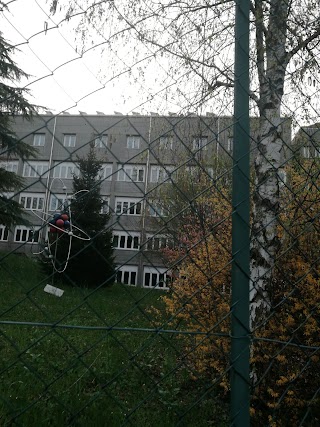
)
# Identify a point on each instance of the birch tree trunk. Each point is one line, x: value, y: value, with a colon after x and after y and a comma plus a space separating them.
x: 272, y: 63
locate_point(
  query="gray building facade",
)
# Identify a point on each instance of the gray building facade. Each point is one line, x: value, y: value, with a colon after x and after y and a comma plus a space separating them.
x: 140, y: 155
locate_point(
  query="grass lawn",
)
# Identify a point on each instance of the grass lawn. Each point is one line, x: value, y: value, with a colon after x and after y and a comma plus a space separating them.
x: 59, y: 376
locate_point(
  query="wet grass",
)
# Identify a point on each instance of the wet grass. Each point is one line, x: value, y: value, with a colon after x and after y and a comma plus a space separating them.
x: 58, y: 370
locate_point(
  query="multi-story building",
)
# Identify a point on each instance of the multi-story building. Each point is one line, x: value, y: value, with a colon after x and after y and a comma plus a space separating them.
x: 306, y: 142
x: 140, y: 155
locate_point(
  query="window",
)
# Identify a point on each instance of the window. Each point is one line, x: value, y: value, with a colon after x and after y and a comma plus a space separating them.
x: 155, y: 243
x: 317, y: 152
x: 166, y: 142
x: 125, y: 206
x: 156, y: 209
x: 4, y: 232
x: 133, y: 141
x: 101, y: 141
x: 124, y: 240
x: 39, y: 139
x: 35, y: 169
x: 306, y: 152
x: 10, y: 166
x: 106, y: 172
x: 32, y: 201
x: 200, y: 143
x: 69, y: 139
x: 105, y: 208
x: 230, y: 144
x: 159, y: 174
x: 127, y: 275
x: 156, y: 278
x: 131, y: 173
x: 65, y: 170
x: 58, y: 202
x: 26, y: 234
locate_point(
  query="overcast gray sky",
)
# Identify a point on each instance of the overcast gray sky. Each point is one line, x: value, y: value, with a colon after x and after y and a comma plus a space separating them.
x: 60, y: 78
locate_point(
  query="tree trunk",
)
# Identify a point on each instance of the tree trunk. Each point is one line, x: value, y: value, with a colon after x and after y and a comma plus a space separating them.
x: 265, y: 243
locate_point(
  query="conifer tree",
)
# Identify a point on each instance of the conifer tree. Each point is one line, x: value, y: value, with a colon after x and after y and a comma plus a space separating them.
x: 91, y: 262
x: 12, y: 102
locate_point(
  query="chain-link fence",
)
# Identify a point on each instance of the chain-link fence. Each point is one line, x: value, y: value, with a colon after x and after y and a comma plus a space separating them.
x: 163, y: 268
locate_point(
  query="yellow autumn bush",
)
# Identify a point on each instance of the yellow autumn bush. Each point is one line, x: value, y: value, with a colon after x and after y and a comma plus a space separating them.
x: 285, y: 349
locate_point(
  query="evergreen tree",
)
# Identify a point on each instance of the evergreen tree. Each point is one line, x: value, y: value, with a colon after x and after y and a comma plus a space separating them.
x: 12, y: 102
x: 91, y: 262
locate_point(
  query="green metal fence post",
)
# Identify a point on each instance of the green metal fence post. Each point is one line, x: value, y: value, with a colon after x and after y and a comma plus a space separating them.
x: 240, y: 343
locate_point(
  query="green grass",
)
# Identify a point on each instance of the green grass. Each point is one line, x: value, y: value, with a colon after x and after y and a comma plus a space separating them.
x: 53, y: 376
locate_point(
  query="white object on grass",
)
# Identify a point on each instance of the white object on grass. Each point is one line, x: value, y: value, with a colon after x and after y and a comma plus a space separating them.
x: 53, y: 290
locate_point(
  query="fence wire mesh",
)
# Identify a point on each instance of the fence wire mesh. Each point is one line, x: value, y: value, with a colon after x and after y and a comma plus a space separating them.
x: 156, y: 268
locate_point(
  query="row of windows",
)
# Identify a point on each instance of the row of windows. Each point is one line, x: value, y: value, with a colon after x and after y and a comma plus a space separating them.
x: 65, y: 170
x: 126, y: 206
x: 308, y: 152
x: 32, y: 201
x: 10, y: 166
x: 123, y: 205
x: 126, y: 240
x: 121, y: 240
x: 22, y: 234
x: 152, y: 276
x: 60, y: 202
x: 133, y: 141
x: 125, y: 173
x: 70, y: 139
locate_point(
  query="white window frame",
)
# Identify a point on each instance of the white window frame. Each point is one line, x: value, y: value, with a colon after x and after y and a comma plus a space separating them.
x: 131, y: 173
x: 69, y: 140
x: 306, y: 152
x: 34, y: 169
x: 123, y: 240
x: 127, y: 271
x: 128, y: 206
x: 155, y: 280
x: 101, y: 141
x: 57, y: 201
x: 10, y: 165
x: 200, y: 143
x: 65, y: 170
x: 133, y: 142
x: 166, y: 142
x: 156, y: 210
x: 105, y: 208
x: 4, y: 233
x: 32, y: 201
x: 26, y: 233
x: 157, y: 242
x: 316, y: 152
x: 106, y: 172
x: 39, y: 139
x: 159, y: 174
